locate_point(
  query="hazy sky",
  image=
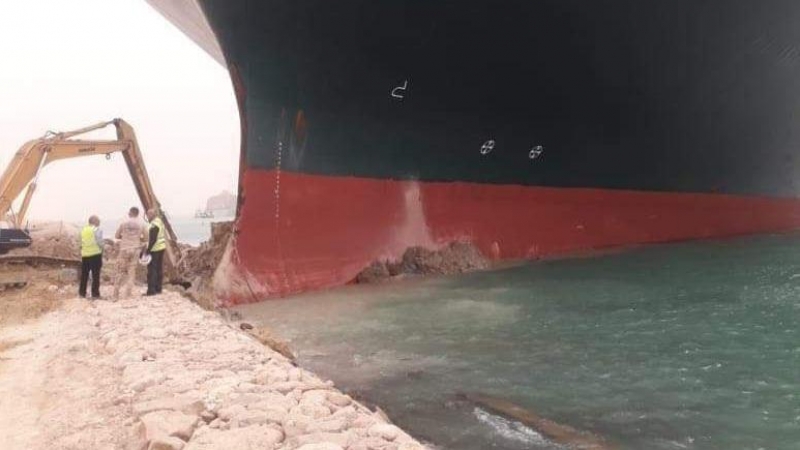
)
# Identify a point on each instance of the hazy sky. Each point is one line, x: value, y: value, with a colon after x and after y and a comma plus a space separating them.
x: 68, y: 64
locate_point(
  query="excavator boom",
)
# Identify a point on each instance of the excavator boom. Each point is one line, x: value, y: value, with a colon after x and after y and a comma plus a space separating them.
x: 23, y: 172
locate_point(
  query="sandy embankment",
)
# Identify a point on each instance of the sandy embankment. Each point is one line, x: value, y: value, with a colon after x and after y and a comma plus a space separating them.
x: 162, y: 373
x: 156, y: 372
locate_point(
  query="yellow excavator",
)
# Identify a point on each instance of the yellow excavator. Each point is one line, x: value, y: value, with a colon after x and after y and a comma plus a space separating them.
x: 24, y: 169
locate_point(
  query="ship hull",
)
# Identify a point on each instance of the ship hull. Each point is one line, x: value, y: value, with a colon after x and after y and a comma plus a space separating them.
x: 374, y: 219
x: 530, y: 128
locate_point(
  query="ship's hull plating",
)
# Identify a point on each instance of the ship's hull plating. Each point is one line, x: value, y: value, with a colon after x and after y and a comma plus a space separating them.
x: 531, y: 128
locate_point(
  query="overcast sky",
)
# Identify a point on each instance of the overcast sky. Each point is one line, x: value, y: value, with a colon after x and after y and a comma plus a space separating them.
x: 68, y: 64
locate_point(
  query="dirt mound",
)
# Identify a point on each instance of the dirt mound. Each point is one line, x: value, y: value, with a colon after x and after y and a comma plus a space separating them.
x: 61, y: 240
x: 29, y: 302
x: 52, y: 239
x: 457, y: 257
x: 41, y: 290
x: 45, y: 284
x: 375, y: 272
x: 199, y: 264
x: 204, y: 259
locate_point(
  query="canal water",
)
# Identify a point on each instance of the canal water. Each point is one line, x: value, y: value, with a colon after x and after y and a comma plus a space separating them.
x: 683, y: 346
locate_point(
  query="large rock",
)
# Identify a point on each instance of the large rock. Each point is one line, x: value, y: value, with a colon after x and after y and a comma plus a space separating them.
x: 339, y: 400
x: 231, y: 412
x: 257, y: 417
x: 384, y: 431
x: 255, y: 437
x: 373, y: 443
x: 327, y: 426
x: 343, y: 439
x: 321, y: 446
x: 140, y: 376
x: 222, y: 202
x: 159, y: 424
x: 312, y: 410
x: 166, y: 443
x: 410, y: 446
x: 186, y: 403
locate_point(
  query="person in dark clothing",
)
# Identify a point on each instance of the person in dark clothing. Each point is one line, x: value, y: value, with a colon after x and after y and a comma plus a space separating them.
x: 91, y: 239
x: 155, y: 273
x: 156, y: 245
x: 91, y: 265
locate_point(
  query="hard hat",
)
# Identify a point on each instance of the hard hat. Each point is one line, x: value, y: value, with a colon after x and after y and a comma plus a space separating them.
x: 145, y: 259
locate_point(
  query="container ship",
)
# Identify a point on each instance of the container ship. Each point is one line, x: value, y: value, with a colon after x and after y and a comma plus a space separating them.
x: 528, y: 128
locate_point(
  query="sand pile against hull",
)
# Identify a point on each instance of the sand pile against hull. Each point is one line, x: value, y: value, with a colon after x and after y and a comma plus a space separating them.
x: 203, y: 260
x: 455, y: 258
x: 199, y: 264
x: 162, y: 373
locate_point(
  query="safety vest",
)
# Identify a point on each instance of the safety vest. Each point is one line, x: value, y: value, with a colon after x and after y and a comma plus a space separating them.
x: 161, y: 240
x: 89, y: 245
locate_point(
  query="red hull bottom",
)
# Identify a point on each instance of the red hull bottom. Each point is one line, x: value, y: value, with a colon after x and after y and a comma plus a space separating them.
x: 299, y: 232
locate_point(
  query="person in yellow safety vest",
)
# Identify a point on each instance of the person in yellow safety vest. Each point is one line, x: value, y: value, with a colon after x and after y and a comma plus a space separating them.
x: 91, y: 256
x: 156, y: 245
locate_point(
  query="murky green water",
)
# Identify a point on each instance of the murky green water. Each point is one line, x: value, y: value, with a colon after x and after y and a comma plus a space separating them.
x: 687, y: 346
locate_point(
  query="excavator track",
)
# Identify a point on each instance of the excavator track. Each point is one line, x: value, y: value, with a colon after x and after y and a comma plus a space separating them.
x: 13, y: 284
x: 35, y: 260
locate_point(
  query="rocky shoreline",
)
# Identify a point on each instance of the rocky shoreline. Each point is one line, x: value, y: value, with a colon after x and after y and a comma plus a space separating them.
x: 162, y: 373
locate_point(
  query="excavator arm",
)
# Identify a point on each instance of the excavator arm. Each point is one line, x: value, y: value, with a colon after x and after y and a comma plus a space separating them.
x: 23, y: 171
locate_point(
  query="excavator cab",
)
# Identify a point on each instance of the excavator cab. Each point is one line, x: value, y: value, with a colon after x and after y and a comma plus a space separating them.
x: 11, y: 238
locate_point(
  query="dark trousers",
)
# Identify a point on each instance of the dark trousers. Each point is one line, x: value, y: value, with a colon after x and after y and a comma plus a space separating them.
x: 91, y: 264
x: 155, y: 273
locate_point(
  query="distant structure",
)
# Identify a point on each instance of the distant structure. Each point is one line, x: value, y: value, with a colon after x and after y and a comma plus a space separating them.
x: 201, y: 214
x: 220, y: 205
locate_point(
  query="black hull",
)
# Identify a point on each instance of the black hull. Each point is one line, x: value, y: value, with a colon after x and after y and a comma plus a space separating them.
x: 686, y: 95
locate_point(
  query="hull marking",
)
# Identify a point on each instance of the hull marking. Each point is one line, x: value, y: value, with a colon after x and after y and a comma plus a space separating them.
x: 536, y: 152
x: 487, y: 147
x: 399, y: 91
